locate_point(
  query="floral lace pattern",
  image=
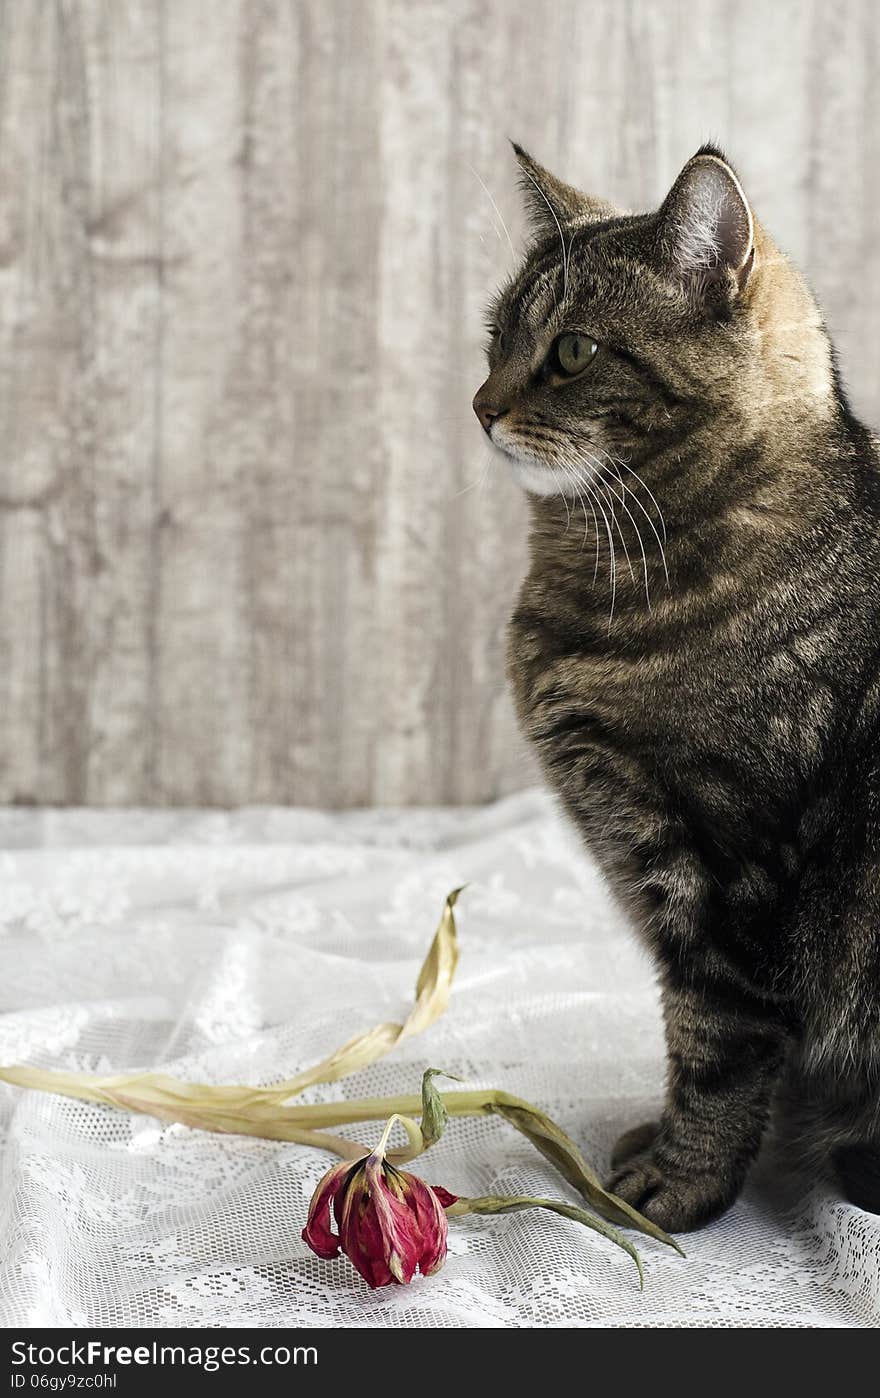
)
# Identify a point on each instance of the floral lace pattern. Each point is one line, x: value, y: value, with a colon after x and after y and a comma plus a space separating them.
x: 241, y: 947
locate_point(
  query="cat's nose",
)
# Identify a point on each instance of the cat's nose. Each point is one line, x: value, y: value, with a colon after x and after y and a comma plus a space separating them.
x: 487, y: 410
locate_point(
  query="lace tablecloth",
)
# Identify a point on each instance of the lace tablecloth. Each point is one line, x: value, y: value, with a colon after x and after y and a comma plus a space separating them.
x: 242, y: 947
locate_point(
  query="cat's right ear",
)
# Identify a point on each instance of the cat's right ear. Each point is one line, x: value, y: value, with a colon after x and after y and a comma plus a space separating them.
x: 551, y: 203
x: 706, y: 229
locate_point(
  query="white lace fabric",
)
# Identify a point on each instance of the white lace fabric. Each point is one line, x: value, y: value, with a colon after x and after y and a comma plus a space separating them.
x: 242, y: 947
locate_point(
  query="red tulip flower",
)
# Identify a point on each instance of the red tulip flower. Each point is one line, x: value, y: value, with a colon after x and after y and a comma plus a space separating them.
x: 390, y: 1223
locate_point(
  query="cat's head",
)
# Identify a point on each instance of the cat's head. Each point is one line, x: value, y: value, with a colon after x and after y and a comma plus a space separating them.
x: 621, y: 332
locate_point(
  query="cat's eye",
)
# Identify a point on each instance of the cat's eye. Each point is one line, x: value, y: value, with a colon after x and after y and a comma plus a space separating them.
x: 571, y: 354
x: 496, y: 340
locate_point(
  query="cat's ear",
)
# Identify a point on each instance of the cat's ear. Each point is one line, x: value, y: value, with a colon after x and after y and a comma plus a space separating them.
x: 706, y: 229
x: 549, y: 199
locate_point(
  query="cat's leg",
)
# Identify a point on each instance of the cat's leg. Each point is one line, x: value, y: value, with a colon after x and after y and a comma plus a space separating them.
x: 725, y: 1047
x: 709, y: 918
x: 829, y: 1106
x: 858, y: 1169
x: 832, y: 1119
x: 634, y: 1142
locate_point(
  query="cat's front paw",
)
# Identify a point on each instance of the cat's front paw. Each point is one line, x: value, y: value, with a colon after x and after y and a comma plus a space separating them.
x: 636, y: 1141
x: 676, y: 1202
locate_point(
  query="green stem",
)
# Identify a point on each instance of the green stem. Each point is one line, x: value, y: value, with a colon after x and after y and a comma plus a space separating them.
x: 416, y: 1140
x: 251, y: 1111
x: 480, y: 1102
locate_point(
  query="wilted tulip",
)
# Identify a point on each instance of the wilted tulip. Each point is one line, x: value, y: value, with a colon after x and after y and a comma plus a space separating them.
x: 390, y: 1223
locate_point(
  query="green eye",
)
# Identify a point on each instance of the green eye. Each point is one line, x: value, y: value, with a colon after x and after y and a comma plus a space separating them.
x: 572, y: 353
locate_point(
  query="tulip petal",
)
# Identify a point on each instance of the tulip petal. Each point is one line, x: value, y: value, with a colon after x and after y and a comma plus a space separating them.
x: 367, y: 1248
x: 318, y: 1233
x: 389, y: 1223
x: 360, y: 1235
x: 395, y: 1217
x: 431, y: 1223
x: 446, y: 1199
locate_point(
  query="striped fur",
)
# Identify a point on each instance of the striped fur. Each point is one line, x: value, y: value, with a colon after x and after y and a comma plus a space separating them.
x: 714, y: 737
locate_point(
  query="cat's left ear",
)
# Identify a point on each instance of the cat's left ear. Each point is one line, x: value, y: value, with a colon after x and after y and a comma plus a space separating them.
x: 706, y: 229
x: 551, y: 202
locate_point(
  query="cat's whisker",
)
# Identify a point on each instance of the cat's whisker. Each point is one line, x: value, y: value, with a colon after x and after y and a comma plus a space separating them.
x: 600, y: 482
x: 639, y: 537
x: 596, y: 559
x: 561, y: 493
x: 612, y: 557
x: 613, y: 464
x: 616, y: 462
x: 488, y: 194
x: 568, y: 476
x: 590, y: 499
x: 602, y: 486
x: 583, y: 506
x: 561, y: 235
x: 647, y: 489
x: 613, y: 563
x: 567, y: 510
x: 481, y: 479
x: 587, y: 522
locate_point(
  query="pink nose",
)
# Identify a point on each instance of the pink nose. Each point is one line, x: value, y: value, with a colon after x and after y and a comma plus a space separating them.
x: 486, y: 410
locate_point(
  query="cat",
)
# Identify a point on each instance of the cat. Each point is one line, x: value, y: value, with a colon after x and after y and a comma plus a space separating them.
x: 695, y: 655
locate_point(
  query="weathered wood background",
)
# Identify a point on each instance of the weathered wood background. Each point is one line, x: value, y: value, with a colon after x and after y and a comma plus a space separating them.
x: 244, y: 247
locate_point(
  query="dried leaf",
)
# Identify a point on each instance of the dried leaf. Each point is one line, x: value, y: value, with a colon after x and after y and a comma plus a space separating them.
x: 259, y: 1111
x: 561, y: 1151
x: 433, y: 988
x: 434, y: 1113
x: 508, y: 1204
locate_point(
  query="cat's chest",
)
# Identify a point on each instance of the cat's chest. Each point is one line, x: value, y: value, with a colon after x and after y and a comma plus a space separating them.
x: 688, y: 707
x: 669, y: 699
x: 564, y: 674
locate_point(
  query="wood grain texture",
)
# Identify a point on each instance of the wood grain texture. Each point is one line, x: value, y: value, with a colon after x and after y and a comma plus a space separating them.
x: 247, y: 553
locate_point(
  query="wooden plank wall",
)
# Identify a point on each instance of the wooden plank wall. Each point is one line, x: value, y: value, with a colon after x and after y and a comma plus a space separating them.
x: 244, y: 249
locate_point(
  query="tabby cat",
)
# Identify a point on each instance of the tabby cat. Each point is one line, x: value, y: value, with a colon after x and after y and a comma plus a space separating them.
x: 695, y: 655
